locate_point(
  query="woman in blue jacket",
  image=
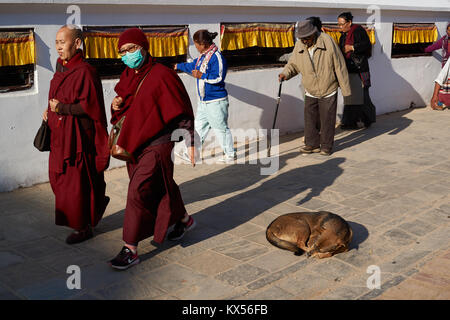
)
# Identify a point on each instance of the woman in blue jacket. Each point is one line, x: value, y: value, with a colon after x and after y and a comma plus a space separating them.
x: 210, y: 70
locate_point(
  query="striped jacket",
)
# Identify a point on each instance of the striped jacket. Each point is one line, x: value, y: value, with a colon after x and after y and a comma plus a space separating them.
x: 211, y: 87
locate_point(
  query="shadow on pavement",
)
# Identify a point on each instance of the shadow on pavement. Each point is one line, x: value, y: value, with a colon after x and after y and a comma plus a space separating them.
x: 239, y: 209
x: 230, y: 179
x: 395, y: 124
x: 218, y: 183
x: 360, y: 234
x: 111, y: 222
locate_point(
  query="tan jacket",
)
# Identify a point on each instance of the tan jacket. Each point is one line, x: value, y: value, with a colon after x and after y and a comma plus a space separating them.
x: 329, y: 73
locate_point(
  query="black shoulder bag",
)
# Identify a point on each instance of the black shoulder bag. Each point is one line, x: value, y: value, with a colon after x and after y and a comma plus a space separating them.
x: 42, y: 139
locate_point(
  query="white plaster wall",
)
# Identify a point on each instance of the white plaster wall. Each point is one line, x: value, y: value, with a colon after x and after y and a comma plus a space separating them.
x: 396, y: 83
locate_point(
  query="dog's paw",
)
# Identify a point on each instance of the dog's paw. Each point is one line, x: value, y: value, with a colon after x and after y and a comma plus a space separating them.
x: 322, y: 255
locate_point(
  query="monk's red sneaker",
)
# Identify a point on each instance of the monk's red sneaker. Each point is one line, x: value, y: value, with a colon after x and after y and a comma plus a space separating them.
x: 180, y: 229
x: 125, y: 259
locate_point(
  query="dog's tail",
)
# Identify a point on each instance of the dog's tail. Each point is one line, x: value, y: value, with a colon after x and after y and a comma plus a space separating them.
x: 277, y: 242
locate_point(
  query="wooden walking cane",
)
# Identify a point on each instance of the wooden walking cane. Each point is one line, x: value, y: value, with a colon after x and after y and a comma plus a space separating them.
x: 274, y: 119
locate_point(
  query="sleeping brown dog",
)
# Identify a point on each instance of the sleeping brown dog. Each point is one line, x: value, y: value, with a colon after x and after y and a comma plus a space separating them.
x: 319, y: 234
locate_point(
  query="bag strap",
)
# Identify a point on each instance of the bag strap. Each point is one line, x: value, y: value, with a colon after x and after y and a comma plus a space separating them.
x: 142, y: 81
x: 119, y: 123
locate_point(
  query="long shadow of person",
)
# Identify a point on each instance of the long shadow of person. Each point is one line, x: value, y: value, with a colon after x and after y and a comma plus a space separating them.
x: 396, y: 123
x: 218, y: 183
x: 241, y: 208
x: 230, y: 179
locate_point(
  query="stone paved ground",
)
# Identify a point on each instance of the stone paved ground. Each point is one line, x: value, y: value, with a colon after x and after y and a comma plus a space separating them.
x: 391, y: 182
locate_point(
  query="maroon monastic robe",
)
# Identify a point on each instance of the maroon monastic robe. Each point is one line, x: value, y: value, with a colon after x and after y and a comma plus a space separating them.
x: 154, y: 201
x: 79, y: 154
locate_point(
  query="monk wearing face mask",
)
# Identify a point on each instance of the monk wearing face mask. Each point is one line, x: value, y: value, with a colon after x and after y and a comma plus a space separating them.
x: 79, y: 152
x: 155, y: 103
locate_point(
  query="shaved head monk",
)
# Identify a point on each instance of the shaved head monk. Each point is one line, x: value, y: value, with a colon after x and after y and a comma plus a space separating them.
x: 79, y: 151
x: 154, y: 102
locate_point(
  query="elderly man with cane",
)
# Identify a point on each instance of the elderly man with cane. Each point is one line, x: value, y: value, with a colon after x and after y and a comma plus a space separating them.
x: 320, y: 62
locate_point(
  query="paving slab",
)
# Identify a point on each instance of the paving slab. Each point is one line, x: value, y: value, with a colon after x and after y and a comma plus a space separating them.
x: 210, y: 263
x: 241, y: 275
x: 206, y: 289
x: 272, y: 293
x: 172, y: 277
x: 306, y: 285
x: 130, y: 289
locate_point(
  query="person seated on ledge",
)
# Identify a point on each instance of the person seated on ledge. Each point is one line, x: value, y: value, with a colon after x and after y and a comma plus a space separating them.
x: 441, y: 94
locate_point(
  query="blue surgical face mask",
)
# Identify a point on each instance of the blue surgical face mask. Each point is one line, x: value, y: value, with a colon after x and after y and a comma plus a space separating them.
x: 133, y: 60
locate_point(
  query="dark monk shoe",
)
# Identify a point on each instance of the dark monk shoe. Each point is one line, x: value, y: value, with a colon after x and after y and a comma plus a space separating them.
x: 79, y: 236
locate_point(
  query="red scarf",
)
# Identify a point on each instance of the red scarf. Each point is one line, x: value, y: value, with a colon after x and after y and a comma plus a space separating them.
x: 350, y: 39
x: 208, y: 54
x: 161, y: 98
x: 78, y: 84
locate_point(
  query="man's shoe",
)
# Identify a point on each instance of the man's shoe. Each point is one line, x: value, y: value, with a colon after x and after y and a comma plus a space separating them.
x: 79, y: 236
x: 325, y: 152
x: 125, y: 259
x: 309, y: 149
x: 180, y: 229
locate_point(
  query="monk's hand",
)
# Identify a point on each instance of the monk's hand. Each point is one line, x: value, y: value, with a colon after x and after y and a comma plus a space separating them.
x: 116, y: 103
x: 53, y: 103
x: 192, y: 155
x: 45, y: 115
x: 348, y: 48
x: 281, y: 77
x: 197, y: 74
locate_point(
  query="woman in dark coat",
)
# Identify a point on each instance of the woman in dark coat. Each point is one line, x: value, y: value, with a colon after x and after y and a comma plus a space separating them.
x: 356, y: 47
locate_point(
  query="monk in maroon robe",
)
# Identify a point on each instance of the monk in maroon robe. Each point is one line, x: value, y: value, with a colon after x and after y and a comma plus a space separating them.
x: 79, y: 151
x: 154, y: 102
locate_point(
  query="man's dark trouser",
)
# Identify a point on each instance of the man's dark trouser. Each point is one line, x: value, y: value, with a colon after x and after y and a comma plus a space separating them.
x: 323, y: 110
